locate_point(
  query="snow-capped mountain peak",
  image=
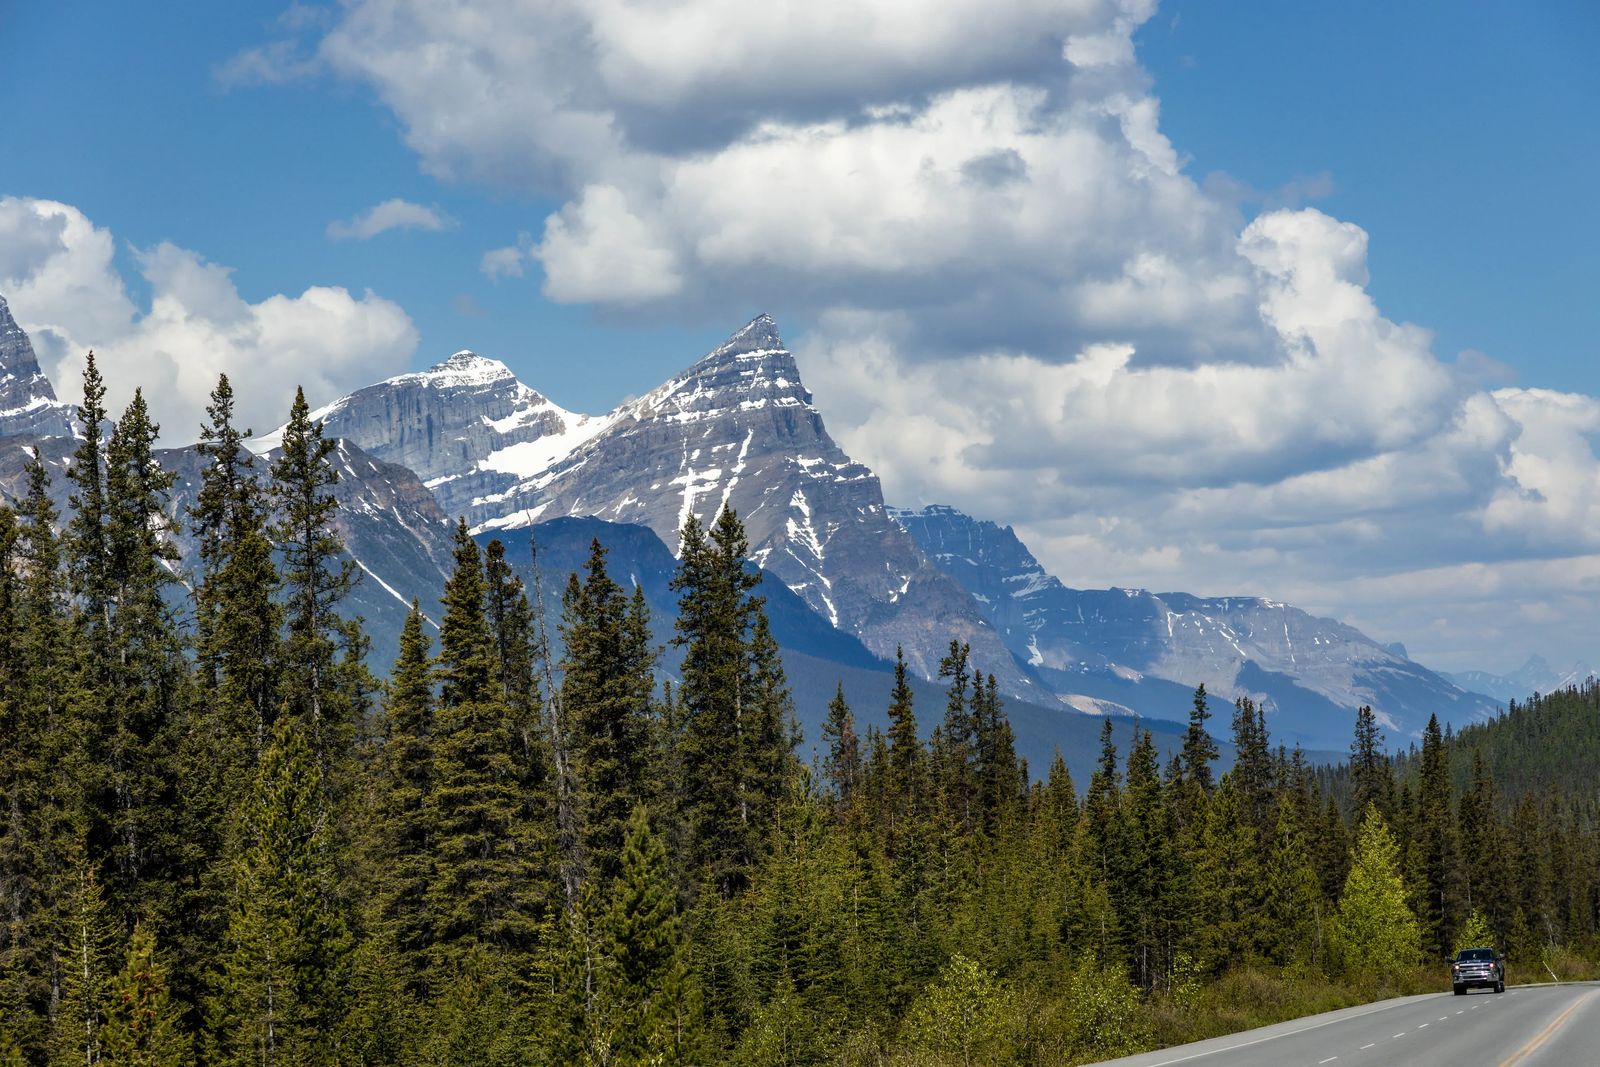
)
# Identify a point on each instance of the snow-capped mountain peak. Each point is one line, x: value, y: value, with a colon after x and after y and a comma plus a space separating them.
x: 28, y: 403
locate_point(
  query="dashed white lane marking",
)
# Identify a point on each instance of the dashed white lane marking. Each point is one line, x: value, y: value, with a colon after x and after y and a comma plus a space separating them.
x: 1423, y: 1026
x: 1365, y: 1047
x: 1400, y: 1034
x: 1330, y: 1059
x: 1459, y: 1012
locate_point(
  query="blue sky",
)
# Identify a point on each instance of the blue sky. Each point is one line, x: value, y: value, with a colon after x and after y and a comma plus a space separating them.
x: 1463, y: 138
x: 1135, y: 278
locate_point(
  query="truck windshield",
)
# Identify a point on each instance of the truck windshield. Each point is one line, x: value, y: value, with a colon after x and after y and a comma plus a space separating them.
x: 1476, y: 954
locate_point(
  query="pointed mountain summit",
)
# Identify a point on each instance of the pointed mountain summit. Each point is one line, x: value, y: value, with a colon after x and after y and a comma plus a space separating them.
x: 737, y: 427
x: 28, y: 403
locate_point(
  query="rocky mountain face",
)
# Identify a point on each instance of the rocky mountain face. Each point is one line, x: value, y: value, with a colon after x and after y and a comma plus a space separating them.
x: 1109, y: 648
x: 850, y: 580
x: 466, y: 426
x: 28, y: 404
x: 736, y: 428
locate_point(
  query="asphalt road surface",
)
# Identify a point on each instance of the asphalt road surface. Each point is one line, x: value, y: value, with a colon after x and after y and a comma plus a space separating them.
x: 1526, y: 1026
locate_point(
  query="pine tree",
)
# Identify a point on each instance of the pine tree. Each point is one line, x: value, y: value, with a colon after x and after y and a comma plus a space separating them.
x: 644, y: 982
x: 843, y: 762
x: 486, y: 868
x: 315, y: 579
x: 606, y: 692
x: 1434, y: 843
x: 86, y: 959
x: 1369, y: 766
x: 733, y: 742
x: 278, y: 996
x: 406, y: 773
x: 142, y: 1028
x: 905, y: 748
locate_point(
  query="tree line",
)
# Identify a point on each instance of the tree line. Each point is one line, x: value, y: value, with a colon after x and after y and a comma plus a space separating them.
x: 223, y: 840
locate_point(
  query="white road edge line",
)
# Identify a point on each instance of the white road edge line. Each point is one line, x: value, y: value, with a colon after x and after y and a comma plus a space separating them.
x: 1292, y: 1033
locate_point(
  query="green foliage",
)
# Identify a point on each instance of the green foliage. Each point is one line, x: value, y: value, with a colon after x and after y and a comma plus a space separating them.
x: 486, y: 873
x: 606, y: 690
x: 962, y: 1018
x: 1376, y: 934
x: 86, y: 960
x: 142, y: 1027
x: 279, y: 992
x: 734, y: 745
x: 1474, y: 933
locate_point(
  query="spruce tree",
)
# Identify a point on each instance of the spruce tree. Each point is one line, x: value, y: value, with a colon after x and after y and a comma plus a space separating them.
x: 486, y: 868
x: 1000, y: 780
x: 315, y: 578
x: 606, y: 690
x: 1294, y: 930
x: 279, y: 993
x: 842, y: 765
x: 905, y: 748
x: 39, y: 769
x: 1199, y: 750
x: 142, y: 1027
x: 1434, y: 843
x: 1229, y: 887
x: 86, y: 954
x: 733, y: 706
x: 87, y: 552
x: 142, y: 710
x: 644, y: 982
x: 406, y: 771
x: 1369, y: 766
x: 512, y: 628
x: 959, y: 734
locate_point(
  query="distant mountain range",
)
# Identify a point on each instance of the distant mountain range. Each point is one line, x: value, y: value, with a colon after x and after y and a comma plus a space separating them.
x: 1534, y: 676
x: 850, y: 579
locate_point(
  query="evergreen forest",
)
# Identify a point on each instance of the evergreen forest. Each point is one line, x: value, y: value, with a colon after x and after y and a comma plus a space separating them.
x: 226, y: 839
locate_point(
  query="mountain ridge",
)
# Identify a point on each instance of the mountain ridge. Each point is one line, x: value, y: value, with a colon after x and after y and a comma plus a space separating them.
x: 1116, y: 645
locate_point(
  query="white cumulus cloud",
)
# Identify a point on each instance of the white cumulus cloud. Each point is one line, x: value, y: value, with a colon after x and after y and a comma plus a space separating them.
x: 67, y: 293
x: 1013, y: 296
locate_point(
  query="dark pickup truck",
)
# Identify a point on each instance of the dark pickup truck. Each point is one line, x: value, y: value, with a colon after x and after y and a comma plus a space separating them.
x: 1478, y: 967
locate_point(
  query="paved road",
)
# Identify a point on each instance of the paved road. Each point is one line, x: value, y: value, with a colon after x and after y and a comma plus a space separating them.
x: 1526, y: 1026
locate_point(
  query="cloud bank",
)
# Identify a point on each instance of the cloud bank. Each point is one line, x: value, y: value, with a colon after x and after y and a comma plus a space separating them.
x: 57, y: 271
x: 1013, y: 297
